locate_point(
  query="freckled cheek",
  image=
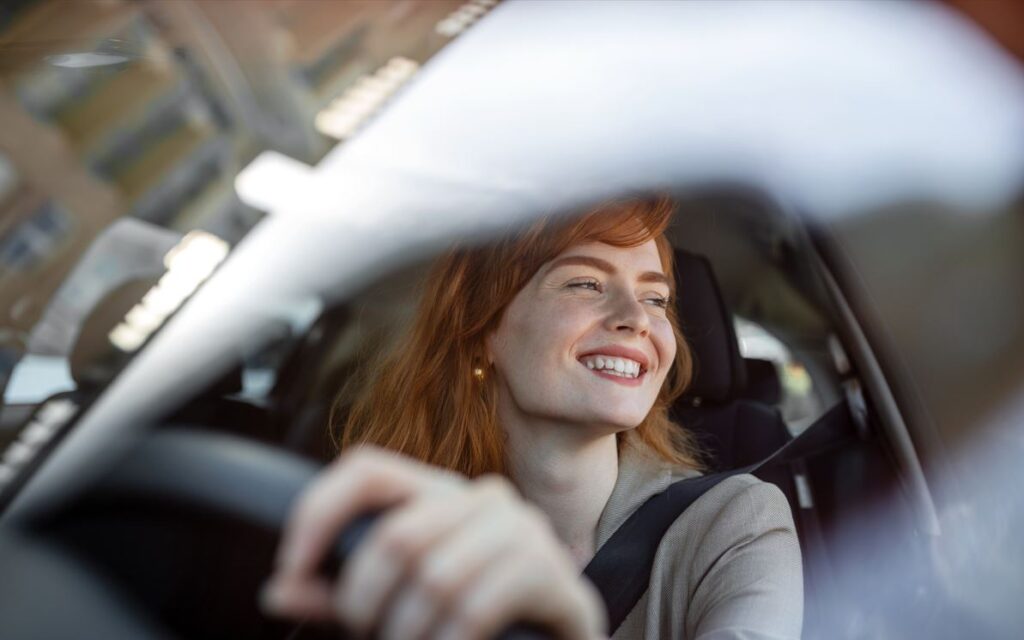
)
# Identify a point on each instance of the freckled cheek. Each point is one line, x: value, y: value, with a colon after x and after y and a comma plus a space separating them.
x: 543, y: 338
x: 665, y: 343
x: 559, y: 328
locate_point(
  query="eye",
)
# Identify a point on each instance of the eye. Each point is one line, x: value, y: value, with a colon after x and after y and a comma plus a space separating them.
x: 658, y: 301
x: 588, y: 283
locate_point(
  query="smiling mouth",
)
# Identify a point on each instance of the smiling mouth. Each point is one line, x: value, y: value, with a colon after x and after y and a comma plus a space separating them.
x: 614, y: 368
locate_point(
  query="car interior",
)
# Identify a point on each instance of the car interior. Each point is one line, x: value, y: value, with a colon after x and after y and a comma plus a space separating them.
x: 741, y: 261
x: 129, y: 124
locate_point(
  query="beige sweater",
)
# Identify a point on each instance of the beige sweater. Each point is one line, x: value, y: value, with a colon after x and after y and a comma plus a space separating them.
x: 728, y: 568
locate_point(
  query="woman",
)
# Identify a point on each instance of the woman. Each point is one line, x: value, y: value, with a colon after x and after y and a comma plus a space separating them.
x: 521, y: 422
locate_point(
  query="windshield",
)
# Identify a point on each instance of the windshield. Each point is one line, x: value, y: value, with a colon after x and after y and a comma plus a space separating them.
x: 125, y: 126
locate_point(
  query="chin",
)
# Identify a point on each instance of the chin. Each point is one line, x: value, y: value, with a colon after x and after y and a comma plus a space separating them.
x: 613, y: 417
x: 622, y: 420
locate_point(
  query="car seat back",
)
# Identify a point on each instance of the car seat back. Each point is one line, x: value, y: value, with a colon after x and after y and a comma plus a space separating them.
x: 733, y: 431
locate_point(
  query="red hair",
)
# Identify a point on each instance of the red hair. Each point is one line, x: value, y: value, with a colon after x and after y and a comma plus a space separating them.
x: 423, y: 399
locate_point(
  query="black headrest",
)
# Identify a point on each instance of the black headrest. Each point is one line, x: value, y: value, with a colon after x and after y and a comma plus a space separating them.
x: 94, y: 361
x: 763, y: 384
x: 707, y: 325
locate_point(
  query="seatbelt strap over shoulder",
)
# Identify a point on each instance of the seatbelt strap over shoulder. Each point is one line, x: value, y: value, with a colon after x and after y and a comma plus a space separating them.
x: 621, y: 569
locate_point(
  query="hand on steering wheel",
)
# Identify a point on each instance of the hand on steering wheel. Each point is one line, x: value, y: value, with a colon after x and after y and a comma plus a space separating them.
x: 452, y: 558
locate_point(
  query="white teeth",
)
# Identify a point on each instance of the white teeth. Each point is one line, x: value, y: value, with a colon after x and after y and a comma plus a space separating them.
x: 616, y: 366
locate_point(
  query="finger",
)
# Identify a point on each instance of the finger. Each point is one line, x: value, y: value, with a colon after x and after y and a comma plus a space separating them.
x: 411, y: 616
x: 309, y: 600
x: 363, y: 480
x: 518, y: 589
x: 395, y: 546
x: 446, y: 572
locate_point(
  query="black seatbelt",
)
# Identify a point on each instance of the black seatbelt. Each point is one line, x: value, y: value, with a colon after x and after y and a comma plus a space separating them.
x: 621, y: 569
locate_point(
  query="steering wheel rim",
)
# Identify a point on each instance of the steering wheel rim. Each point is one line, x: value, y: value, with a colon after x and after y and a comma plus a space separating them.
x: 234, y: 477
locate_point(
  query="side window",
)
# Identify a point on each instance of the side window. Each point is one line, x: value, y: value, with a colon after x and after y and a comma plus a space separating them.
x: 35, y: 377
x: 798, y: 399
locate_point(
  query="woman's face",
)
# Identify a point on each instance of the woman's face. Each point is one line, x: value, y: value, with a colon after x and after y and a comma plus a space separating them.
x: 587, y: 340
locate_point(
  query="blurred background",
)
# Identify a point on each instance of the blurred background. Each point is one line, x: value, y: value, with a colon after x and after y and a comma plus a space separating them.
x: 144, y: 113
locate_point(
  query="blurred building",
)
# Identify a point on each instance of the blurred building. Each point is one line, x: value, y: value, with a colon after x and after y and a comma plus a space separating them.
x: 148, y: 109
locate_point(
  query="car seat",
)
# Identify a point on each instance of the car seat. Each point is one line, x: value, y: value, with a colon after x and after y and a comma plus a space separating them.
x: 731, y: 429
x: 763, y: 384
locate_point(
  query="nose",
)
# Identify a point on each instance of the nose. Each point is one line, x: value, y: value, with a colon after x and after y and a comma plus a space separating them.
x: 627, y: 314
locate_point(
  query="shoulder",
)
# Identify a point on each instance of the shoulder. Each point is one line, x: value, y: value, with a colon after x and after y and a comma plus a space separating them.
x: 734, y: 557
x: 737, y: 509
x: 743, y: 504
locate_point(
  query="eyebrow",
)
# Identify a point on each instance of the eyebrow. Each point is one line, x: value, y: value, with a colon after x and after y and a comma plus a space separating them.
x: 604, y: 265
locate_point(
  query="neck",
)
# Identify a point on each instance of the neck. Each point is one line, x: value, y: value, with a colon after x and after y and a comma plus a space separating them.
x: 568, y: 472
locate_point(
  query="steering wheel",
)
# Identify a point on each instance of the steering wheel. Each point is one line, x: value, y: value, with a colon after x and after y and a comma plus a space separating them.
x: 173, y: 469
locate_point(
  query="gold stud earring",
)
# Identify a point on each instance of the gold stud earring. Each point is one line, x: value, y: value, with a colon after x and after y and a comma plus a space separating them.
x: 478, y: 373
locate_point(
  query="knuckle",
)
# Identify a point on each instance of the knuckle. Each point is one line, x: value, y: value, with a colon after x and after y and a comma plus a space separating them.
x: 320, y: 497
x: 437, y: 585
x: 312, y: 507
x: 305, y: 509
x: 398, y: 539
x: 358, y: 458
x: 497, y: 487
x: 449, y: 483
